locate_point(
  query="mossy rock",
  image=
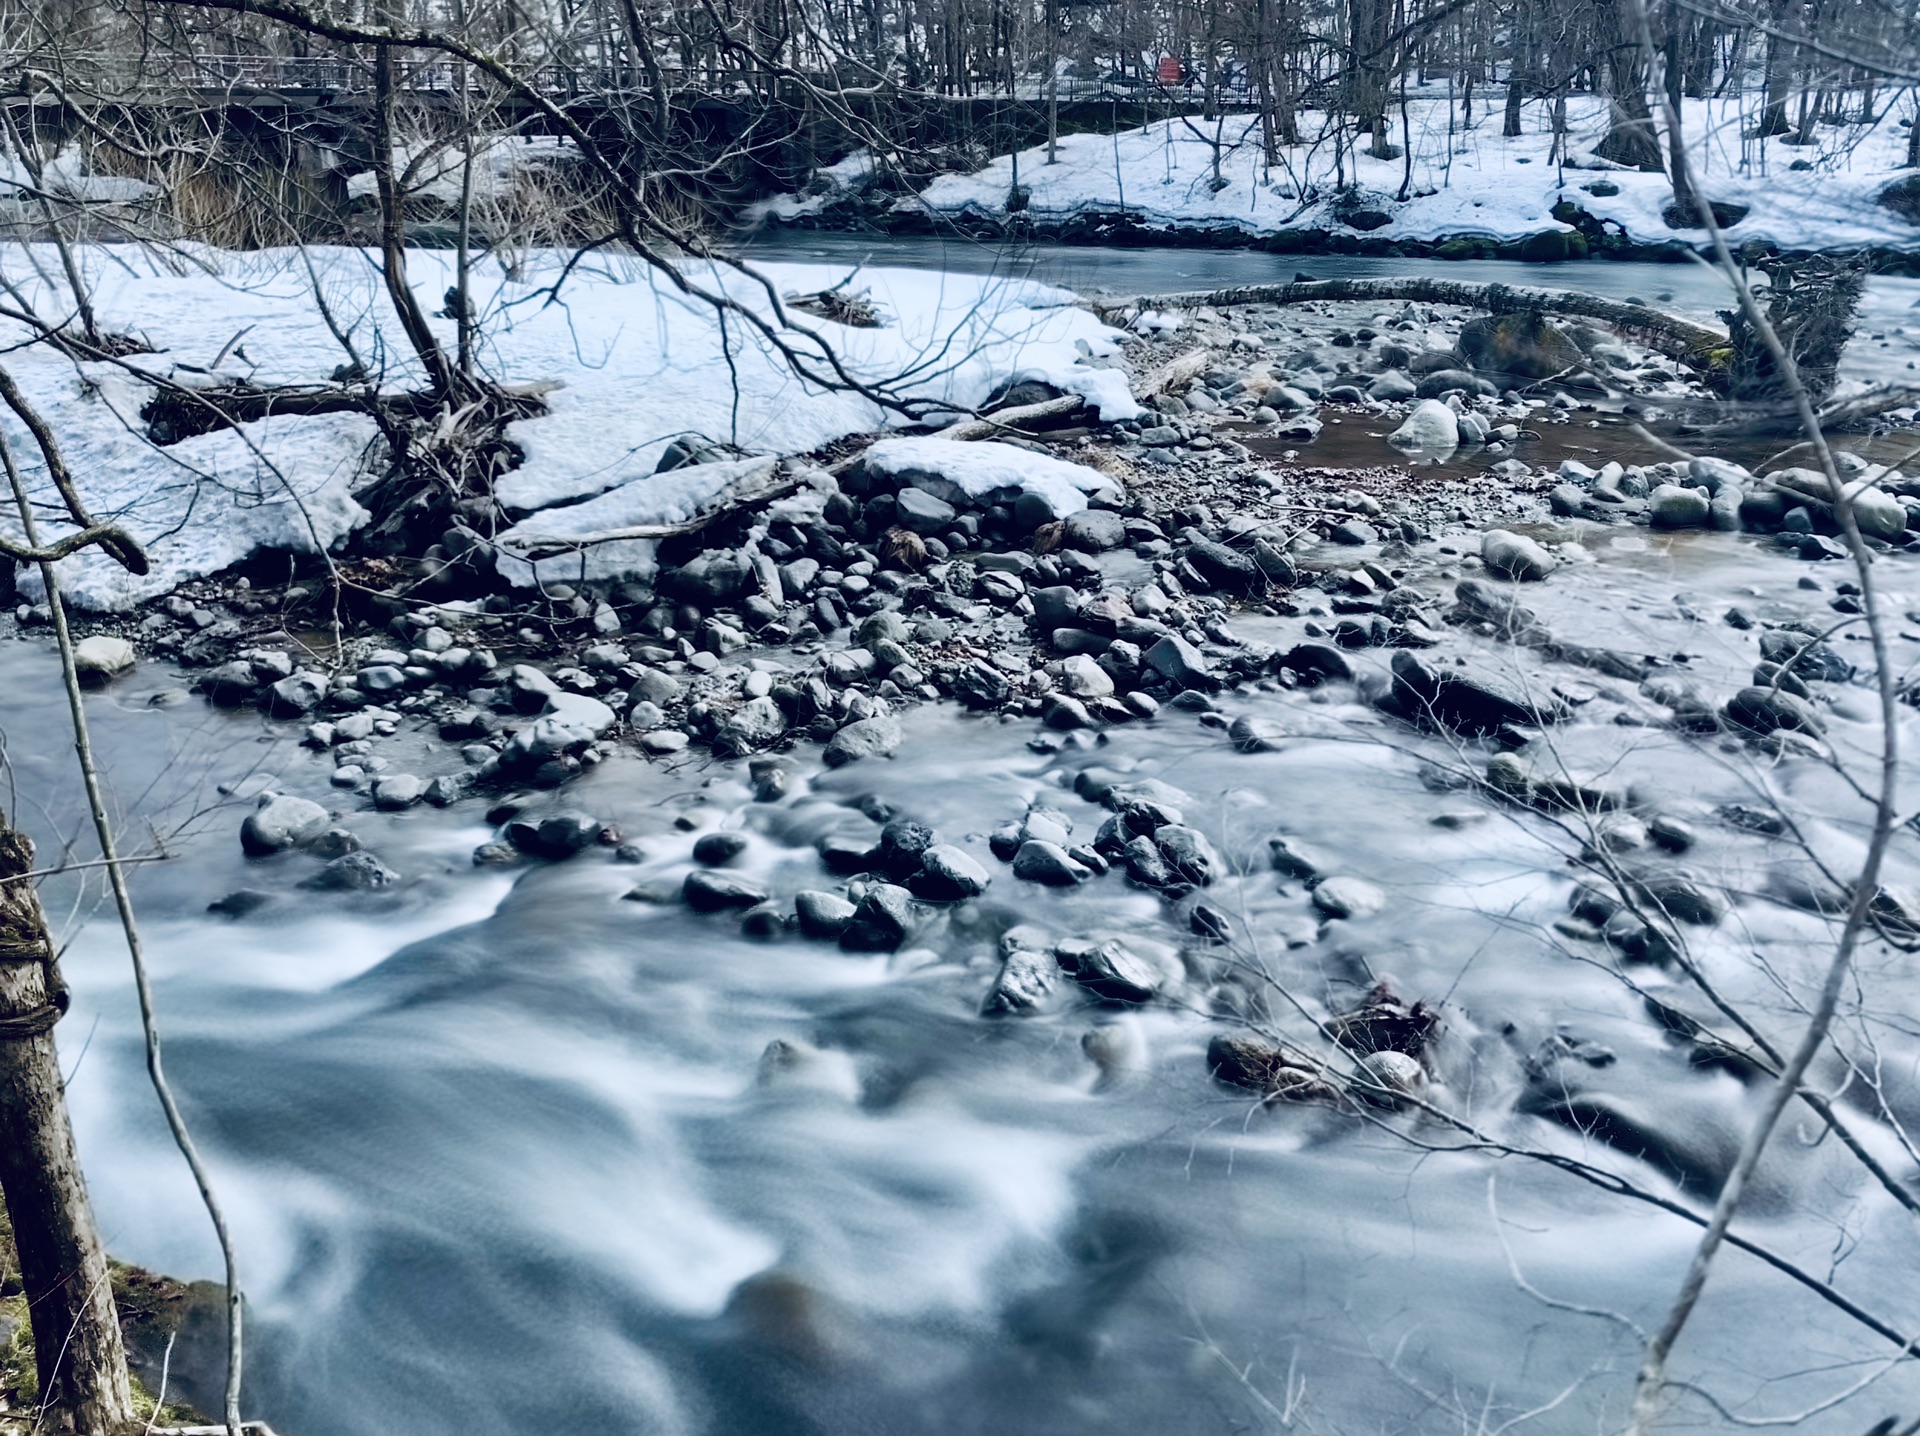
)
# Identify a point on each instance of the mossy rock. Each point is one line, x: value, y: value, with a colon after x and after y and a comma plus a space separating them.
x: 1526, y: 345
x: 1458, y: 249
x: 1903, y: 198
x: 148, y: 1304
x: 1550, y: 246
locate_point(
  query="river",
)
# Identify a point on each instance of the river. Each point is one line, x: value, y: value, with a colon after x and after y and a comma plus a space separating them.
x: 511, y: 1152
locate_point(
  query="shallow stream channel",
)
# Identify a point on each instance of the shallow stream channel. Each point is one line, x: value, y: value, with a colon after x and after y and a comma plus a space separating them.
x: 544, y: 1148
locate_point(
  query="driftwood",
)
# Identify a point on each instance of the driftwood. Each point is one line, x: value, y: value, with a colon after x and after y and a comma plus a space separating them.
x: 1677, y: 338
x: 1182, y: 367
x: 177, y: 412
x: 733, y: 503
x: 1002, y: 420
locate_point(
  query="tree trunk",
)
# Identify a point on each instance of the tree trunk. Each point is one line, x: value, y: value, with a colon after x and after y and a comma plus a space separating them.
x: 1516, y: 96
x: 76, y: 1332
x: 393, y: 234
x: 1681, y: 171
x: 1630, y: 138
x: 1773, y: 121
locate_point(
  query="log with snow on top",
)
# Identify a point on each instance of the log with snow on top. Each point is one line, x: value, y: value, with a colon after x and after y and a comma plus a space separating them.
x: 1697, y: 345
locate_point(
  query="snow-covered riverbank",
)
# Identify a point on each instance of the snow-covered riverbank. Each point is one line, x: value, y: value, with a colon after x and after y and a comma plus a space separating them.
x: 1447, y: 181
x: 626, y: 363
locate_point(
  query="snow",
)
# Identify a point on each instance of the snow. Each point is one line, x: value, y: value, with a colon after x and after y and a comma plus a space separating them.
x: 660, y: 368
x: 673, y: 497
x: 499, y: 161
x: 947, y: 469
x: 832, y: 182
x: 634, y: 363
x: 68, y: 173
x: 1471, y: 182
x: 196, y: 508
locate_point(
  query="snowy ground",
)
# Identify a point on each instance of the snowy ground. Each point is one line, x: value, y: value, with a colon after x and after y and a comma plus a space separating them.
x: 635, y: 362
x: 1470, y: 182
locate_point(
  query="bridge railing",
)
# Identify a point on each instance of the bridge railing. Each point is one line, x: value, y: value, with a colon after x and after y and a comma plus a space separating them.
x: 346, y: 75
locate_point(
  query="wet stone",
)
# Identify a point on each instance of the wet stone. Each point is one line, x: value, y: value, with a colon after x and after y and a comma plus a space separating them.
x: 1027, y: 979
x: 355, y: 872
x: 881, y: 921
x: 1188, y: 854
x: 555, y: 837
x: 874, y: 737
x: 281, y: 822
x: 709, y: 891
x: 716, y: 850
x: 396, y: 791
x: 1048, y: 863
x: 1348, y: 897
x: 1108, y: 969
x: 822, y: 914
x: 948, y: 874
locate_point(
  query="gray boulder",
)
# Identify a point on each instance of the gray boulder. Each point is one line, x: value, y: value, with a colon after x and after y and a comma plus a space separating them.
x: 555, y: 837
x: 712, y: 890
x: 1772, y: 710
x: 822, y: 915
x: 1028, y: 976
x: 1515, y: 556
x: 1465, y: 700
x: 1348, y: 897
x: 922, y: 512
x: 948, y: 874
x: 881, y: 922
x: 281, y: 821
x: 231, y: 684
x: 354, y: 872
x: 395, y: 791
x: 1222, y: 567
x: 1445, y: 381
x: 874, y: 737
x: 294, y: 696
x: 1048, y: 863
x: 751, y: 727
x: 1109, y: 969
x: 1187, y: 853
x: 1671, y: 507
x: 1095, y: 530
x: 102, y: 658
x: 1179, y: 662
x: 1392, y: 387
x: 1431, y: 425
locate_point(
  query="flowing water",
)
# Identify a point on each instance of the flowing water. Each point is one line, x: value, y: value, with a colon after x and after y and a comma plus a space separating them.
x: 545, y: 1150
x: 1882, y: 352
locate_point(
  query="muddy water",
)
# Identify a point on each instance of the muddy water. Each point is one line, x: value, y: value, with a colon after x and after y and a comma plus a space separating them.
x: 508, y: 1151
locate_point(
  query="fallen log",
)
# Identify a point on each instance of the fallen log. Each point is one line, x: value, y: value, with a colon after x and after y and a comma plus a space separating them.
x: 1002, y: 420
x: 1696, y: 345
x: 1175, y: 373
x: 740, y: 500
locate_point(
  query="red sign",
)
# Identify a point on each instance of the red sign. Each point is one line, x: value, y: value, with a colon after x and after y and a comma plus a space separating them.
x: 1171, y: 71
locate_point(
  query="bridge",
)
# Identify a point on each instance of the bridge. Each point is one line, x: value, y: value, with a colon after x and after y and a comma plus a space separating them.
x: 318, y: 79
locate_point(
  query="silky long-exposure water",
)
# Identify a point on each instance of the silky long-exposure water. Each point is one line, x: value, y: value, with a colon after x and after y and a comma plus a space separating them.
x: 547, y: 1149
